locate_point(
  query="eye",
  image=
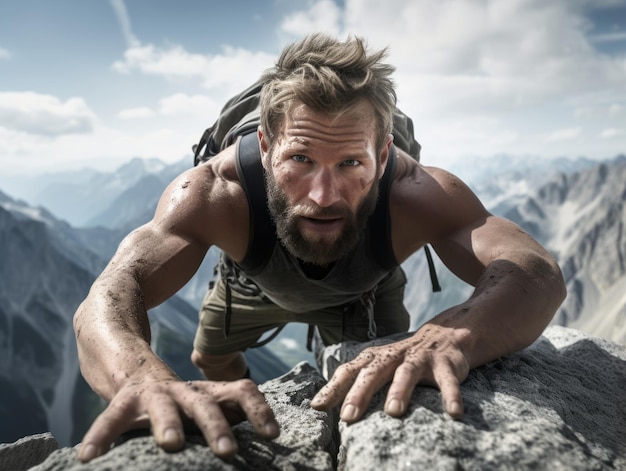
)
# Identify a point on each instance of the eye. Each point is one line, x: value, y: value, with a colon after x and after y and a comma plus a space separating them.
x: 299, y: 158
x: 351, y: 163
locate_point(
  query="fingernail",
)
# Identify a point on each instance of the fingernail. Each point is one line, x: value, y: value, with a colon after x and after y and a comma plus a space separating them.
x: 87, y: 452
x: 349, y: 413
x: 395, y: 407
x: 455, y: 409
x: 319, y: 401
x: 170, y: 436
x: 224, y: 445
x: 271, y: 429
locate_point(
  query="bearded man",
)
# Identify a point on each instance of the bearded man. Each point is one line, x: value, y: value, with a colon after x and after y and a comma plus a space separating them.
x: 340, y: 208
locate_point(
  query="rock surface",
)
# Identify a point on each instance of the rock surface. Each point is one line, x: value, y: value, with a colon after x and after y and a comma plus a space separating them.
x: 306, y: 440
x: 26, y: 452
x: 558, y: 405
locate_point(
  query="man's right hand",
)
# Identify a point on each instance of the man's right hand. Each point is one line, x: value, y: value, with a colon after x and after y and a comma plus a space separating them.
x: 166, y: 404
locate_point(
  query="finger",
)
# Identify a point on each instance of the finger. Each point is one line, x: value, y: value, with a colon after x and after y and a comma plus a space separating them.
x: 405, y: 378
x: 370, y: 379
x: 208, y: 416
x: 450, y: 388
x: 257, y: 409
x: 116, y: 419
x: 167, y: 426
x: 336, y: 389
x: 342, y: 380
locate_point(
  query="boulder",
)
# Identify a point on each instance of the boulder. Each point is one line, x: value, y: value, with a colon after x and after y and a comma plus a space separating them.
x: 26, y: 452
x: 307, y: 439
x: 560, y: 404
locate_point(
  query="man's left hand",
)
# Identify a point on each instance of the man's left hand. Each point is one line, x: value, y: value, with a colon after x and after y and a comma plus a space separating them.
x: 431, y: 356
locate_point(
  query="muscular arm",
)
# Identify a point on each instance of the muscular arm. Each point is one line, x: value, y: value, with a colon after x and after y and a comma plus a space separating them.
x: 150, y: 265
x: 113, y: 318
x: 518, y: 284
x: 518, y: 287
x: 113, y: 334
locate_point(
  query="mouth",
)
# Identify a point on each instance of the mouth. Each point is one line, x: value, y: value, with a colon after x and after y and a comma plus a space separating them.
x: 322, y: 224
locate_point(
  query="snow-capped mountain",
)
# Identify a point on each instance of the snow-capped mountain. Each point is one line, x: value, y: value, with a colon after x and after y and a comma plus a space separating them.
x: 79, y: 197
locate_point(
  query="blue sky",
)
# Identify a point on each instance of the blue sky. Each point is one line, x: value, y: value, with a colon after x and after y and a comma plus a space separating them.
x: 94, y: 83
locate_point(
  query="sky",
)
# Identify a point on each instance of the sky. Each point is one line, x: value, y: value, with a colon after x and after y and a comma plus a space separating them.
x: 97, y: 82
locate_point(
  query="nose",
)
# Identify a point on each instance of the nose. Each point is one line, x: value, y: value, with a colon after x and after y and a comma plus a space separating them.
x: 324, y: 189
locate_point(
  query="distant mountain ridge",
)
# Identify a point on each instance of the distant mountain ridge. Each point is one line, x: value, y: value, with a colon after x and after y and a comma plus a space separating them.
x: 581, y: 217
x: 82, y: 198
x: 47, y: 269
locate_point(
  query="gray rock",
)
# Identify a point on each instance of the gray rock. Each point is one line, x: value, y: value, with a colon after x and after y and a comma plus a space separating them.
x: 26, y: 452
x: 558, y: 405
x: 306, y: 440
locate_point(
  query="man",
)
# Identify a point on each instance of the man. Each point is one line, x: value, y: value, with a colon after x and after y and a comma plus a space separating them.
x: 333, y: 177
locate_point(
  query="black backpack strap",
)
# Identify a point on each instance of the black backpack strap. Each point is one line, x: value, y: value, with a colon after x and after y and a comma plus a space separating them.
x: 379, y: 223
x: 379, y: 226
x: 434, y: 281
x: 262, y: 233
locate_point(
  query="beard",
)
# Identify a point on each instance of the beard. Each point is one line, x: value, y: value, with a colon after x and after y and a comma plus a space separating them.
x: 320, y: 249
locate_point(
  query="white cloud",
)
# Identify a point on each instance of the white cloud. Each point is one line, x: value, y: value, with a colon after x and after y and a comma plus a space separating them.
x: 589, y: 112
x: 617, y: 110
x: 234, y: 68
x: 600, y: 111
x: 467, y: 56
x: 181, y: 103
x: 105, y: 148
x: 322, y: 16
x: 4, y: 53
x: 18, y: 142
x: 563, y: 134
x: 477, y: 77
x: 136, y: 113
x: 454, y: 58
x: 171, y: 62
x: 44, y: 115
x: 612, y: 133
x: 175, y: 105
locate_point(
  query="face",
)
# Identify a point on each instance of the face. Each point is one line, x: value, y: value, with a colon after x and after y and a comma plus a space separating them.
x: 322, y: 180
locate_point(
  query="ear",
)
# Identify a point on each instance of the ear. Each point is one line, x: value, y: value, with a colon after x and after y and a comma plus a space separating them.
x: 264, y: 147
x: 384, y: 156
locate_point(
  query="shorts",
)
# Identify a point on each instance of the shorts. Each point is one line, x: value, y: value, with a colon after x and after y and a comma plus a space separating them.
x: 252, y: 316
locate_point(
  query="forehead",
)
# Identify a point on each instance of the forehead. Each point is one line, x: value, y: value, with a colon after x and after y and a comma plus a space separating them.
x: 356, y: 123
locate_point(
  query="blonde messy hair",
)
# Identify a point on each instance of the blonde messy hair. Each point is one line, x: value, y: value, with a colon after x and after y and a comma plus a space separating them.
x: 328, y: 76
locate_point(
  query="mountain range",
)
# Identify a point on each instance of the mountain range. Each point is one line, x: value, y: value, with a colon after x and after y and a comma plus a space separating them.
x: 57, y: 232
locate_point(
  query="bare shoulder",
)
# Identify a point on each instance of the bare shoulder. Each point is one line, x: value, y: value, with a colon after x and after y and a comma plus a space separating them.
x: 208, y: 204
x: 428, y: 203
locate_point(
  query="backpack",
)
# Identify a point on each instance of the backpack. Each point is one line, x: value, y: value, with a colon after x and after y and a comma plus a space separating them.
x: 240, y: 116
